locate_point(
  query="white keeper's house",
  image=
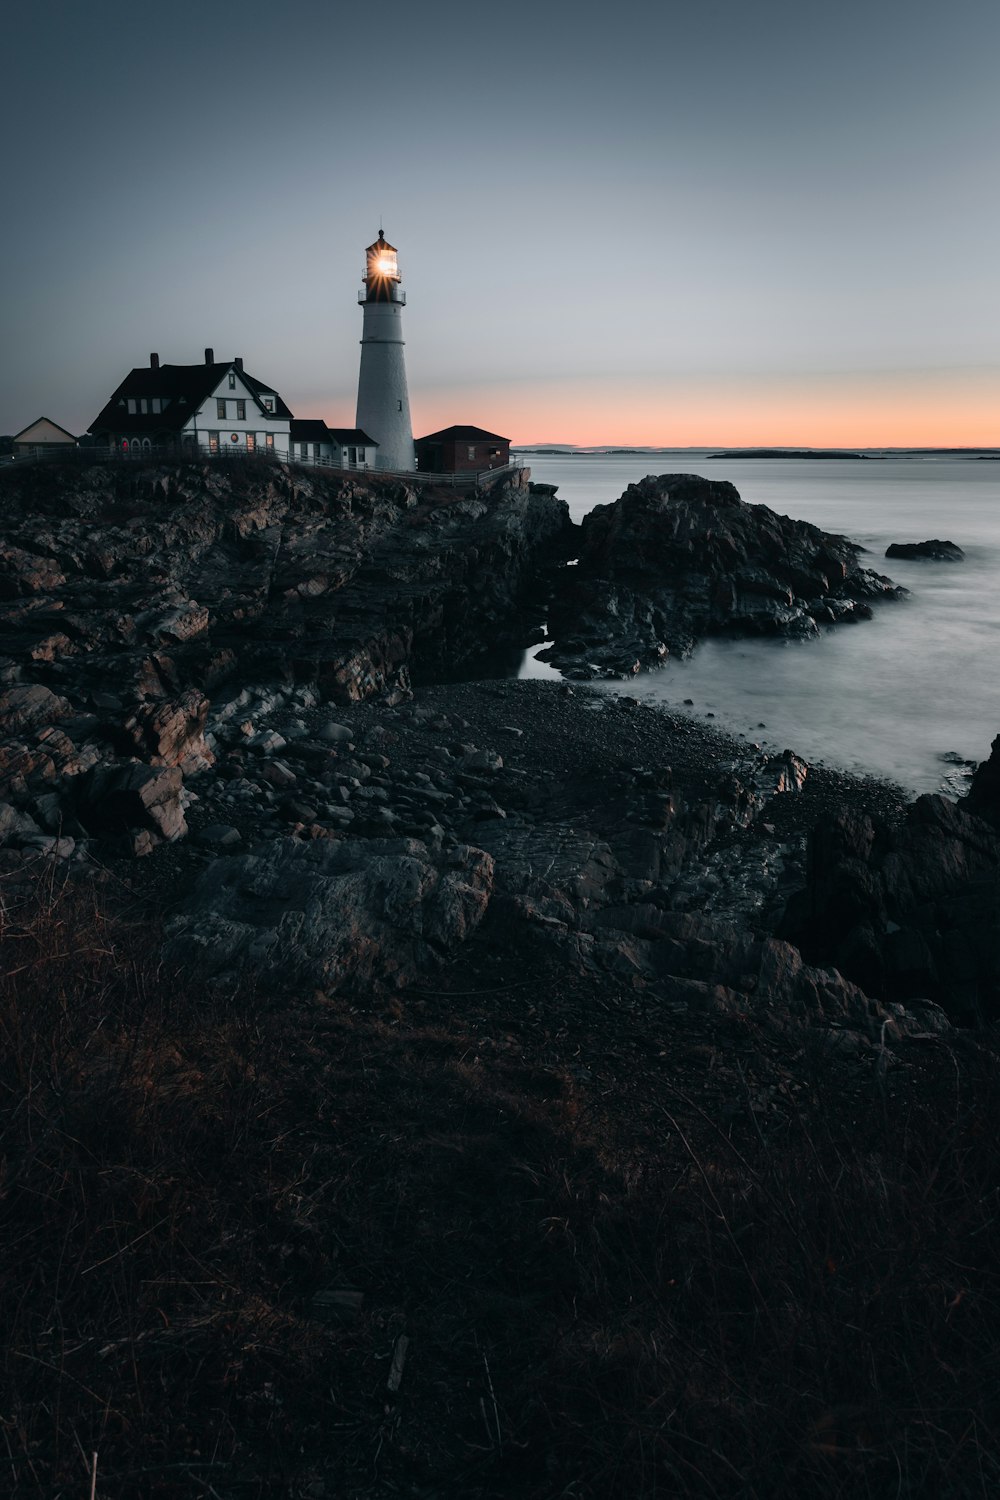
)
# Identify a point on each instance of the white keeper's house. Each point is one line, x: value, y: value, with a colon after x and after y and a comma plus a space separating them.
x: 216, y: 406
x: 339, y: 447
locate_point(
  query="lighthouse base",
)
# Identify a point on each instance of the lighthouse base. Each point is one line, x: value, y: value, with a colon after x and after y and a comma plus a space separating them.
x: 383, y: 403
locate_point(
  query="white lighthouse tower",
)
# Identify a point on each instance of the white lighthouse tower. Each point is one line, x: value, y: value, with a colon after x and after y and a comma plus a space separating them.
x: 383, y: 404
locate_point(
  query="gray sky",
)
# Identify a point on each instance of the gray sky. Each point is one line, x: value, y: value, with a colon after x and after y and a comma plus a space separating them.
x: 672, y: 222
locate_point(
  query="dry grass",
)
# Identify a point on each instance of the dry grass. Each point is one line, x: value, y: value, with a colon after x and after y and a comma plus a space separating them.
x: 605, y: 1295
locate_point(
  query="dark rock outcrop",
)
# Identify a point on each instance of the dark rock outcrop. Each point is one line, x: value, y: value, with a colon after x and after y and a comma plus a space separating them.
x: 983, y: 798
x: 332, y: 913
x: 934, y: 551
x: 678, y: 557
x: 909, y: 913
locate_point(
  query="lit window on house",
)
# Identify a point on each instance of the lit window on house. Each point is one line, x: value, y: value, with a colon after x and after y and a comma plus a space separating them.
x: 213, y: 442
x: 220, y: 409
x: 268, y: 403
x: 269, y: 439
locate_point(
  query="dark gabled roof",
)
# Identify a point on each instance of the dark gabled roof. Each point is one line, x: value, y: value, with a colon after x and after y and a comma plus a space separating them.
x: 184, y: 387
x: 35, y: 424
x: 260, y: 390
x: 312, y: 430
x: 462, y: 434
x: 309, y: 430
x: 352, y: 435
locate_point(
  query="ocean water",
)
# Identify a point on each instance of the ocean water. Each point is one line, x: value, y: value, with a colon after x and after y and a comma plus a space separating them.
x: 900, y: 696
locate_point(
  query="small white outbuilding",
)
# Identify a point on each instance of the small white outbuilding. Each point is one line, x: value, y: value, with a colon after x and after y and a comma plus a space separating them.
x: 42, y: 436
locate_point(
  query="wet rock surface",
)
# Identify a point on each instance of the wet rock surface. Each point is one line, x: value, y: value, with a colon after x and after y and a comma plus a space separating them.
x: 679, y: 557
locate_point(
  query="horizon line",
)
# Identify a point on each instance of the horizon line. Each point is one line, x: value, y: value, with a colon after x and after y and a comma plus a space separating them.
x: 622, y: 447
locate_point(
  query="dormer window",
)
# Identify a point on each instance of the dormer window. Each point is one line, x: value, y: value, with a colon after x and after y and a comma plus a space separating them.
x: 232, y: 381
x: 268, y: 404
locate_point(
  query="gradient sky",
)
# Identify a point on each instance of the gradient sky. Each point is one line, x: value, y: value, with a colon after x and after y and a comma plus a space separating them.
x: 680, y: 223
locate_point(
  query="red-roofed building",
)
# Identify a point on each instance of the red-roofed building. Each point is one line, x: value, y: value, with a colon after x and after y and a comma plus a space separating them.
x: 462, y: 450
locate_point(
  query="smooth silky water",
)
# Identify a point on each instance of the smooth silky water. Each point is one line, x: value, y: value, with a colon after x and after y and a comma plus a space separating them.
x: 896, y: 696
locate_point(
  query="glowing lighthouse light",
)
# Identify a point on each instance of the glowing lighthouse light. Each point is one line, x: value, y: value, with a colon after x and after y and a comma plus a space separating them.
x: 383, y: 402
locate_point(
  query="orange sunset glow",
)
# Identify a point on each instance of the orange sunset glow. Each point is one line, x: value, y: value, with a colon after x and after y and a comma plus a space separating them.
x: 951, y: 410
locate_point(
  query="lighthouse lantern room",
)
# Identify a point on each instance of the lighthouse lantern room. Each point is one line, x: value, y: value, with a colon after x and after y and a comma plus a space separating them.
x: 383, y: 403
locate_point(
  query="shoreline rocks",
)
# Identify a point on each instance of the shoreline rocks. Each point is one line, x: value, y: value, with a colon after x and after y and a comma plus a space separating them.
x: 679, y: 557
x: 239, y: 706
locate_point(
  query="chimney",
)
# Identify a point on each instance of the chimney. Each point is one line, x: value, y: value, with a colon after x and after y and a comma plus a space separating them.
x: 154, y: 361
x: 210, y: 356
x: 238, y: 362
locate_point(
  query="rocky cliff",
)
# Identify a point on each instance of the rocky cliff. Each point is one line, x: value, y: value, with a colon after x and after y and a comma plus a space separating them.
x: 131, y: 596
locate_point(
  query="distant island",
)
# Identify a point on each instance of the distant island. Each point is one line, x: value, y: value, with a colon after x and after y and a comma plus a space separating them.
x: 788, y: 453
x: 571, y: 450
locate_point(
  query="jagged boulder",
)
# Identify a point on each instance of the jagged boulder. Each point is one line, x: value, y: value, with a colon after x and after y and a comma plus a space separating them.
x: 173, y: 733
x: 28, y: 705
x: 333, y: 912
x: 125, y: 801
x: 678, y: 557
